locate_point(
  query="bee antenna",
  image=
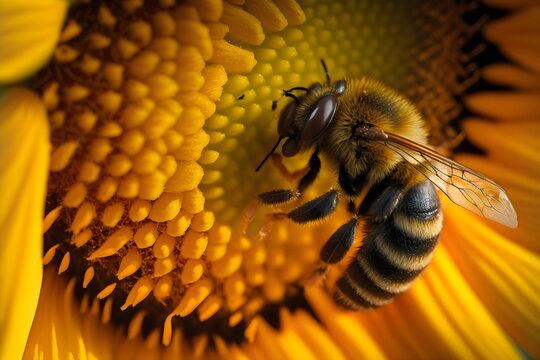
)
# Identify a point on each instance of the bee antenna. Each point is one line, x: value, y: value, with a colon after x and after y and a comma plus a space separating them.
x: 270, y: 153
x: 326, y: 71
x: 288, y: 93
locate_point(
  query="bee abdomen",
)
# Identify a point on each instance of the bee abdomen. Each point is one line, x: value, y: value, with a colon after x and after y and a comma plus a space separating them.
x: 394, y: 253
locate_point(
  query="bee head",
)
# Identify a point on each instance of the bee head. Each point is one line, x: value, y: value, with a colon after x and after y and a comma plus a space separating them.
x: 305, y: 118
x: 302, y: 127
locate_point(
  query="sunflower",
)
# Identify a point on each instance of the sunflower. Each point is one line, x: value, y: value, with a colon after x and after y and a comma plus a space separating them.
x: 130, y: 131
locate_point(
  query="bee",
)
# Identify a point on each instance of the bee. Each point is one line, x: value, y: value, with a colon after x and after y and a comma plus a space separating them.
x: 376, y: 142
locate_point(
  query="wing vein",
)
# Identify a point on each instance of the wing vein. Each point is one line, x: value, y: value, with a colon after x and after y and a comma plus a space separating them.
x: 460, y: 184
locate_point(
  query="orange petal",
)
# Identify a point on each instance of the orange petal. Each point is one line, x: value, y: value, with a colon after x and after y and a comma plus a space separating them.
x: 522, y: 28
x: 523, y: 189
x: 510, y: 4
x: 515, y: 146
x: 500, y: 105
x: 512, y: 75
x: 525, y: 55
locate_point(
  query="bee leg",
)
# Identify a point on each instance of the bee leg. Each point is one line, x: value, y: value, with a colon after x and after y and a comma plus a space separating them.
x: 334, y: 250
x: 249, y: 213
x: 315, y: 209
x: 314, y: 166
x: 309, y: 174
x: 381, y: 200
x: 352, y: 186
x: 351, y: 206
x: 316, y: 276
x: 306, y: 175
x: 355, y: 187
x: 337, y: 246
x: 277, y: 160
x: 251, y: 210
x: 280, y: 196
x: 339, y: 243
x: 269, y: 221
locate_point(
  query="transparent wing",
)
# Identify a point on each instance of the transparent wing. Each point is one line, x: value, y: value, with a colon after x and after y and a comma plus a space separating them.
x: 463, y: 186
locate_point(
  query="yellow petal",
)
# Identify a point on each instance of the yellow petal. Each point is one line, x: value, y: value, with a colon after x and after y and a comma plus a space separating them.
x: 314, y: 335
x: 349, y: 334
x: 24, y: 163
x: 61, y: 331
x: 444, y: 308
x: 513, y: 163
x: 515, y: 146
x: 502, y: 273
x: 523, y: 189
x: 29, y: 31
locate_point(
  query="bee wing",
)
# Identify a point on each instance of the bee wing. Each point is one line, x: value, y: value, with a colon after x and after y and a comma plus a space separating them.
x: 463, y: 186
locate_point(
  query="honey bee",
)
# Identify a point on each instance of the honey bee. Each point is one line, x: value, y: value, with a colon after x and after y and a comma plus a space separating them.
x: 376, y: 141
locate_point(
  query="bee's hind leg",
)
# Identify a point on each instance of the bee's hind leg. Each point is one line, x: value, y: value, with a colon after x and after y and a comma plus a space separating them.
x: 334, y: 250
x: 337, y: 246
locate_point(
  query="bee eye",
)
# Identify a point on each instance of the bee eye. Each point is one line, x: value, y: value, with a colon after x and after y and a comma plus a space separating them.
x: 286, y: 119
x: 319, y: 117
x: 290, y: 147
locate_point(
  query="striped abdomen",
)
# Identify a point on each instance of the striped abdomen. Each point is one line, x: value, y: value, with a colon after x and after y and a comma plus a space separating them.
x: 395, y: 251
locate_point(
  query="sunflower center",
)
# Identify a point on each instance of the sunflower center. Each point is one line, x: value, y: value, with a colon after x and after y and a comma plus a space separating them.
x: 128, y: 92
x: 158, y: 122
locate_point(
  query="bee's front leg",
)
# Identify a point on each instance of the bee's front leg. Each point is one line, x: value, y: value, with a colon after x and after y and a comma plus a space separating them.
x: 308, y: 176
x: 281, y: 196
x: 334, y: 250
x: 277, y: 161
